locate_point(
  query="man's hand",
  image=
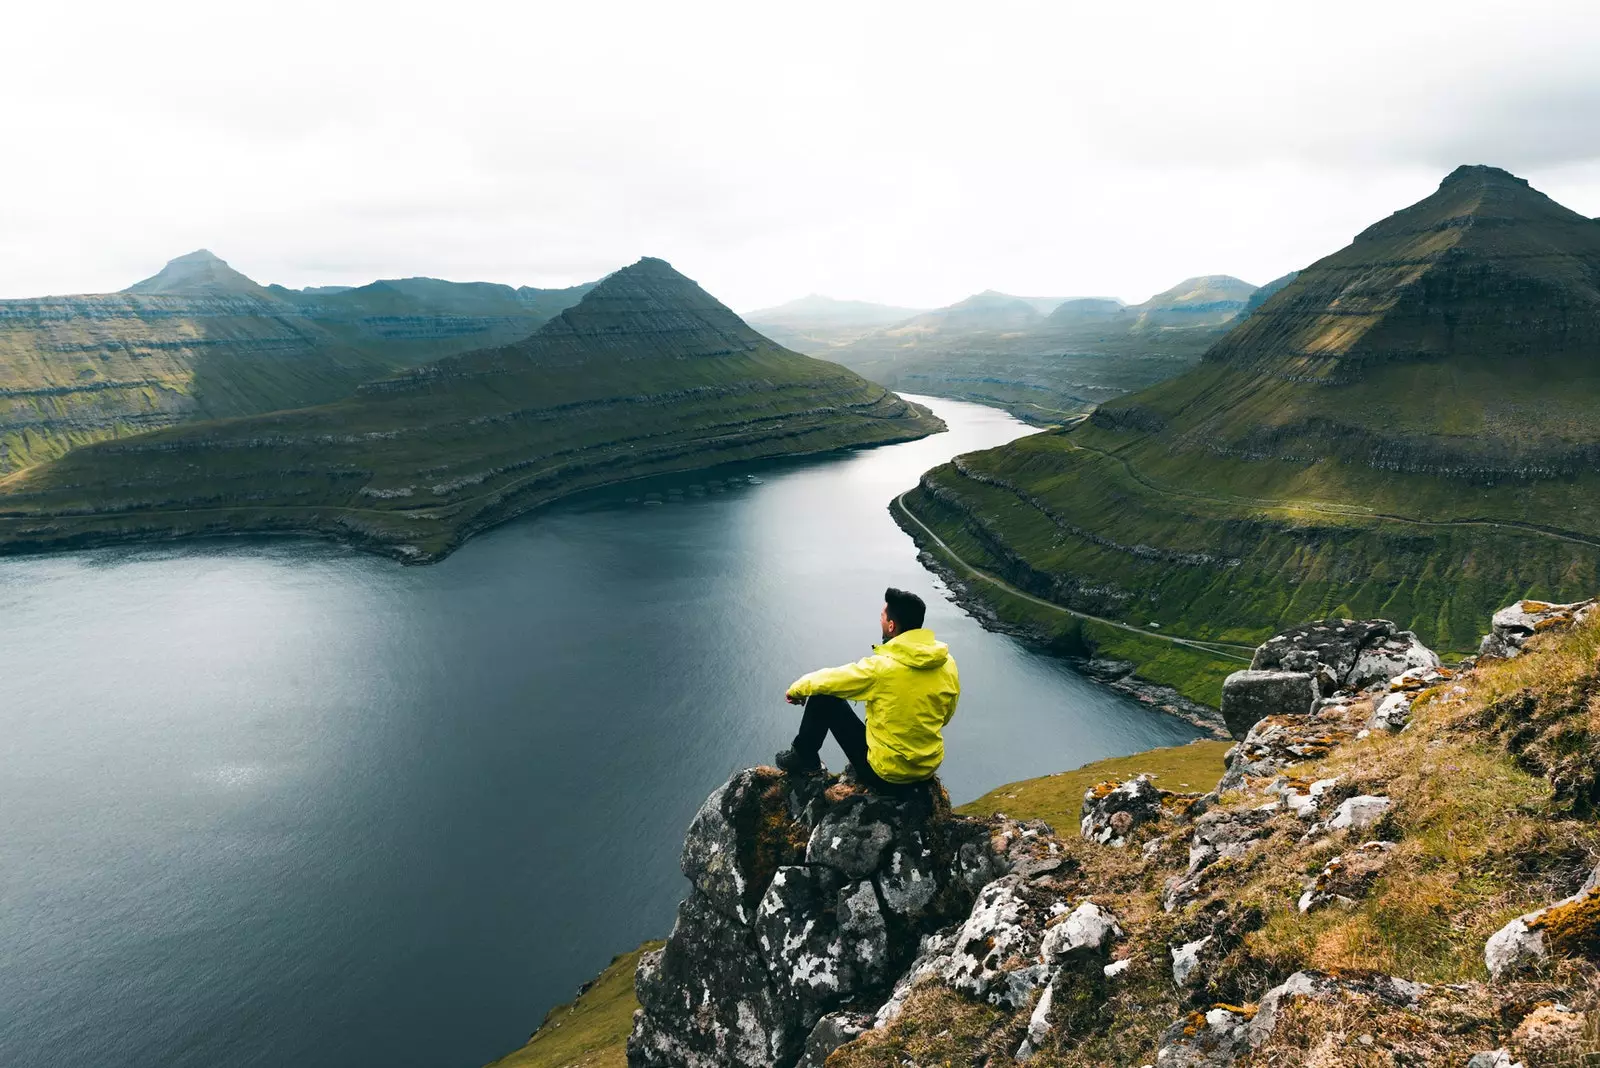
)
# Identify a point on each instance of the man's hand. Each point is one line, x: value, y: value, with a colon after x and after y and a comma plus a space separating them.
x: 794, y: 699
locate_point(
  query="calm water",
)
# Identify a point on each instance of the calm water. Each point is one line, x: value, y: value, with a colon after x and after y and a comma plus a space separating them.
x: 282, y: 804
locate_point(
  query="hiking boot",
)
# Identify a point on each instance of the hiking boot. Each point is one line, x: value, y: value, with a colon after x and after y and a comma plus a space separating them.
x: 797, y: 763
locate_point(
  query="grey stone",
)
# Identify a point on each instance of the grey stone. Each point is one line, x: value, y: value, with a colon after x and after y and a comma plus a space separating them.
x: 823, y: 943
x: 1382, y: 660
x: 1494, y: 1058
x: 851, y: 841
x: 1392, y: 713
x: 1359, y: 813
x: 1186, y: 959
x: 1110, y: 818
x: 1251, y: 696
x: 1513, y: 625
x: 698, y: 1017
x: 1004, y: 926
x: 831, y: 1032
x: 1088, y: 931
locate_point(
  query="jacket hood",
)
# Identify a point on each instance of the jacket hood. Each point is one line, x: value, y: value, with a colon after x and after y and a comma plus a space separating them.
x: 916, y: 649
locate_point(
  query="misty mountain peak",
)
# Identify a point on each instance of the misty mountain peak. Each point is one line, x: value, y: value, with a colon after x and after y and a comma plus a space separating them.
x: 198, y: 273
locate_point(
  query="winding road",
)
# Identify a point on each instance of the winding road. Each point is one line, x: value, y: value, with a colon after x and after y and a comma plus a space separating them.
x: 1225, y: 650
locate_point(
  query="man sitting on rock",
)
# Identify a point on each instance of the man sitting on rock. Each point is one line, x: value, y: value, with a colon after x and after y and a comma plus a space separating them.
x: 910, y: 687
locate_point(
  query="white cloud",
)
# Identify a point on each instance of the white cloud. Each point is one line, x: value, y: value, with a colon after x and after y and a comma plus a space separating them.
x: 906, y: 152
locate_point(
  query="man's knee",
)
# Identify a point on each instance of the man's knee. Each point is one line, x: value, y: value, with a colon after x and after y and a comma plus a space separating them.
x: 827, y: 702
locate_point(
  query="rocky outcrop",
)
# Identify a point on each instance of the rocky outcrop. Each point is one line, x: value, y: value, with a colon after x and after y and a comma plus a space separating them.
x: 1570, y: 925
x: 810, y: 897
x: 1514, y: 624
x: 1251, y: 696
x: 807, y: 936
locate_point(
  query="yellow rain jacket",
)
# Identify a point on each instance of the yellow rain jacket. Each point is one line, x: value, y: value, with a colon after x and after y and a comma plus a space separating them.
x: 910, y: 686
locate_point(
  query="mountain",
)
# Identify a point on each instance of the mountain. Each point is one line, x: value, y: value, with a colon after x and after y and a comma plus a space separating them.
x: 199, y: 340
x: 814, y: 324
x: 646, y: 374
x: 1083, y: 310
x: 1209, y: 300
x: 1410, y: 428
x: 199, y: 274
x: 1046, y: 368
x: 1266, y: 292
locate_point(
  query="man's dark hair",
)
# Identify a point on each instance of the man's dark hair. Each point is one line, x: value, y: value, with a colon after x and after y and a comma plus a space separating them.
x: 906, y: 610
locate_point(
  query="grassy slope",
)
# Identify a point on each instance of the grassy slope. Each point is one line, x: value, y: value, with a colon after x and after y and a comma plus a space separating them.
x: 1404, y: 431
x: 1483, y: 835
x: 413, y: 466
x: 591, y: 1031
x: 74, y: 370
x: 1058, y: 799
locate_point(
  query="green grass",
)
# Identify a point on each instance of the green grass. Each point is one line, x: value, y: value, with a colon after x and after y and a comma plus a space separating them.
x: 414, y: 465
x: 1058, y: 799
x: 592, y: 1030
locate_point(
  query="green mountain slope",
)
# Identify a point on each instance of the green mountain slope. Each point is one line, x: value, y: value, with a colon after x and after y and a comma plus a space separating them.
x: 1047, y: 368
x: 1408, y: 430
x: 646, y: 374
x: 199, y: 340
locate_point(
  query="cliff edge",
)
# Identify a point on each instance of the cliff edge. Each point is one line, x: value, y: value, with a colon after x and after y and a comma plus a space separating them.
x: 1396, y: 866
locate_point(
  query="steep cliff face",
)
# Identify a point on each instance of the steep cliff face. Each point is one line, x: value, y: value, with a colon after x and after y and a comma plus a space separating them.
x: 647, y: 374
x: 1397, y: 870
x: 199, y: 340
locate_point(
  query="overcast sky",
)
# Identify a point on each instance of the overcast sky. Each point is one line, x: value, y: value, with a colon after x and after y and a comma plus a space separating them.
x: 911, y: 153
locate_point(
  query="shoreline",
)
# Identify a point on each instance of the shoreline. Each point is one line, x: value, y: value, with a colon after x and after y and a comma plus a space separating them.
x: 409, y: 554
x: 1116, y: 675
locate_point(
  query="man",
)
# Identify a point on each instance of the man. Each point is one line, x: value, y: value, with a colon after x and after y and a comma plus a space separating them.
x: 910, y: 687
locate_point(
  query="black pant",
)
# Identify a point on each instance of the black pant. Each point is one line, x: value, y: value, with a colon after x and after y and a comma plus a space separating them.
x: 825, y: 713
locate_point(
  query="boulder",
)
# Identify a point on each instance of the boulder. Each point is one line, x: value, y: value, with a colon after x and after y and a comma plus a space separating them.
x: 995, y: 953
x: 1334, y: 643
x: 1251, y: 696
x: 741, y: 835
x: 1392, y: 713
x: 1514, y: 624
x: 1573, y: 923
x: 809, y: 896
x: 1344, y: 654
x: 824, y: 940
x: 1383, y: 659
x: 831, y: 1032
x: 1219, y: 835
x: 1087, y: 932
x: 695, y: 1016
x: 1111, y: 810
x: 1359, y: 813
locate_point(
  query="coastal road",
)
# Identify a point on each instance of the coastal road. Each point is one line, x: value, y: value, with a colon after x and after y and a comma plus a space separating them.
x: 1224, y: 650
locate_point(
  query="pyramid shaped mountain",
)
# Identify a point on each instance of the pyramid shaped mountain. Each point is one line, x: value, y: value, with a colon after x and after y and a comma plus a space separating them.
x: 199, y: 274
x: 647, y: 374
x: 649, y: 306
x: 1409, y: 429
x: 1486, y: 267
x: 1461, y: 333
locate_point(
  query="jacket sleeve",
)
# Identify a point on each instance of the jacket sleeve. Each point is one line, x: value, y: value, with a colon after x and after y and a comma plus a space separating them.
x: 955, y: 697
x: 848, y: 681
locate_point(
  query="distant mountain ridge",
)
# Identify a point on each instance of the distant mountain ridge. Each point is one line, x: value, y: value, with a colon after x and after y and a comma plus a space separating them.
x: 1042, y: 365
x: 200, y: 340
x: 646, y: 374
